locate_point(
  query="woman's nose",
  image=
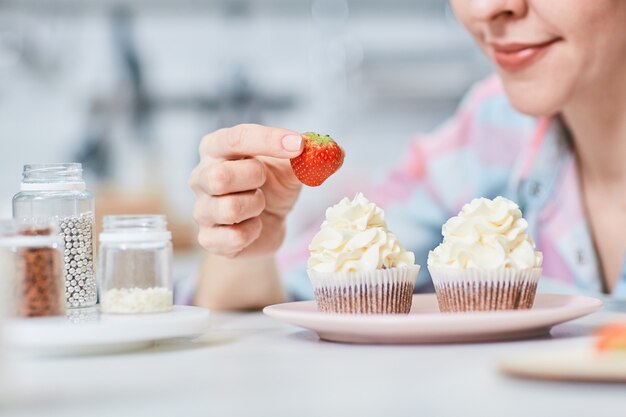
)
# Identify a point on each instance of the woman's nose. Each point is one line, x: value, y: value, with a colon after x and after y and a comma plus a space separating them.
x: 490, y: 10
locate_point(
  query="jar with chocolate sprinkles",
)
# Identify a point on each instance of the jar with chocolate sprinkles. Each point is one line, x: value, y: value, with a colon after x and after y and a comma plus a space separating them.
x: 32, y: 257
x: 57, y: 192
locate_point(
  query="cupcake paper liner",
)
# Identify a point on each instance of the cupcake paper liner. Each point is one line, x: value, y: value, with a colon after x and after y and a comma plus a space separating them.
x: 477, y: 290
x: 383, y: 291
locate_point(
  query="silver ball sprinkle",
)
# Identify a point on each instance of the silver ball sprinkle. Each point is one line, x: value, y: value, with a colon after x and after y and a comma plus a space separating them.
x: 77, y: 233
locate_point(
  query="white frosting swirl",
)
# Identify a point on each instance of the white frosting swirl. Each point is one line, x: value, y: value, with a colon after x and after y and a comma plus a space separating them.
x: 354, y: 238
x: 486, y: 234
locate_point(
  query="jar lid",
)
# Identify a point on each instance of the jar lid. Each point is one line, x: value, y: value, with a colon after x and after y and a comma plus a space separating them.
x: 134, y: 237
x: 28, y: 234
x: 135, y: 228
x: 53, y: 186
x: 53, y: 177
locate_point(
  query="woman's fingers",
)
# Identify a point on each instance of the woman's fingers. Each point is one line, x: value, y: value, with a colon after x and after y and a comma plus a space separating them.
x: 251, y: 140
x: 236, y: 208
x: 226, y: 177
x: 228, y: 209
x: 232, y: 239
x: 239, y: 167
x: 229, y: 223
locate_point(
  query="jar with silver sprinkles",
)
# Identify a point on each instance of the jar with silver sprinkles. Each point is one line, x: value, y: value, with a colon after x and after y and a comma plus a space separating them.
x: 135, y: 265
x: 57, y: 192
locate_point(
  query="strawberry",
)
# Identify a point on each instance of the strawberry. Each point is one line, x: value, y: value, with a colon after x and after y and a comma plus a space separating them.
x: 319, y: 160
x: 611, y: 337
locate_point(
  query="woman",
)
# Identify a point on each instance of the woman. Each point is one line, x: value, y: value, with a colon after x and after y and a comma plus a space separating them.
x: 548, y: 132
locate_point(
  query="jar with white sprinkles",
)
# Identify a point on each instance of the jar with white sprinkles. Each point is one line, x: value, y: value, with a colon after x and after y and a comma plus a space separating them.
x: 135, y: 265
x: 57, y: 192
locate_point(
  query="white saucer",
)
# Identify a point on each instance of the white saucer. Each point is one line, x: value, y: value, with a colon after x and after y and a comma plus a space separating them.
x: 425, y: 324
x: 582, y: 365
x: 86, y: 331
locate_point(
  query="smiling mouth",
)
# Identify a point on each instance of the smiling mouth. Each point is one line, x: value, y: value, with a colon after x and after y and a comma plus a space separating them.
x: 517, y: 56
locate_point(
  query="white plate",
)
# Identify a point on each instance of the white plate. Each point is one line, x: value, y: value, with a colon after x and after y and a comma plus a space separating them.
x: 584, y: 365
x: 425, y: 324
x: 85, y: 331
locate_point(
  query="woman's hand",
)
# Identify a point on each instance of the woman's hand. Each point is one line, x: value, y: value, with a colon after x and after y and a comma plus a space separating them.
x: 244, y: 188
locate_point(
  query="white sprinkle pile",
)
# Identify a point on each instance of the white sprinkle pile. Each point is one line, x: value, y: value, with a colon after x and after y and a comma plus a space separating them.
x: 136, y: 300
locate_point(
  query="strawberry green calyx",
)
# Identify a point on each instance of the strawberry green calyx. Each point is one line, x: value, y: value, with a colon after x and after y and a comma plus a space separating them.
x: 320, y: 139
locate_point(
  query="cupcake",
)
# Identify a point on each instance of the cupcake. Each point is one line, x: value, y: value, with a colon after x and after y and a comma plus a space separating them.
x: 486, y: 261
x: 357, y: 266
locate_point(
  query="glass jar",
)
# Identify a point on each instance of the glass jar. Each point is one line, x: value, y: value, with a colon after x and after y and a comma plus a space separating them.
x: 135, y: 265
x: 31, y: 260
x: 57, y: 192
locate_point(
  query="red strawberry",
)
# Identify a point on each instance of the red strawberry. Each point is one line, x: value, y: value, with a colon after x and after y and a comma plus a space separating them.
x: 611, y: 337
x: 319, y: 160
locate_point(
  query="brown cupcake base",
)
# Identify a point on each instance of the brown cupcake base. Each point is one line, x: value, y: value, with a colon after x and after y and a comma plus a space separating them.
x: 470, y: 289
x: 484, y: 296
x: 382, y: 291
x: 379, y: 299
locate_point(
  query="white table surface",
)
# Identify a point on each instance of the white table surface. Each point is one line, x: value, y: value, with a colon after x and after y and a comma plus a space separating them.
x: 250, y: 365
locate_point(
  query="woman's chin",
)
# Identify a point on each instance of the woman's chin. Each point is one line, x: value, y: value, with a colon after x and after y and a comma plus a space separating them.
x: 535, y: 102
x: 536, y: 109
x: 539, y: 92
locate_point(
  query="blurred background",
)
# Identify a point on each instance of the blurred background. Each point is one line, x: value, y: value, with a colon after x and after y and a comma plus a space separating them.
x: 129, y: 87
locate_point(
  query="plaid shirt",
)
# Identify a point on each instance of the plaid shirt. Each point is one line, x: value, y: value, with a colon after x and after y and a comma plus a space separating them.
x: 487, y: 149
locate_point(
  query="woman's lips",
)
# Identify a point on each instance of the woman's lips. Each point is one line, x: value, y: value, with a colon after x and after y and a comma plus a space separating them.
x: 517, y: 56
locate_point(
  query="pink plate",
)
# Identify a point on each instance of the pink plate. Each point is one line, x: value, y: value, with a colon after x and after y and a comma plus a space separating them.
x: 425, y: 324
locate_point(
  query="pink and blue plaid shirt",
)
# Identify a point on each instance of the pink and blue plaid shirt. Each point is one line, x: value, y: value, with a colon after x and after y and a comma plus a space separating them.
x: 487, y: 149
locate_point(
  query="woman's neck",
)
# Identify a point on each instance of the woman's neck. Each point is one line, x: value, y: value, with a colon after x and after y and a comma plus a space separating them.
x: 597, y: 122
